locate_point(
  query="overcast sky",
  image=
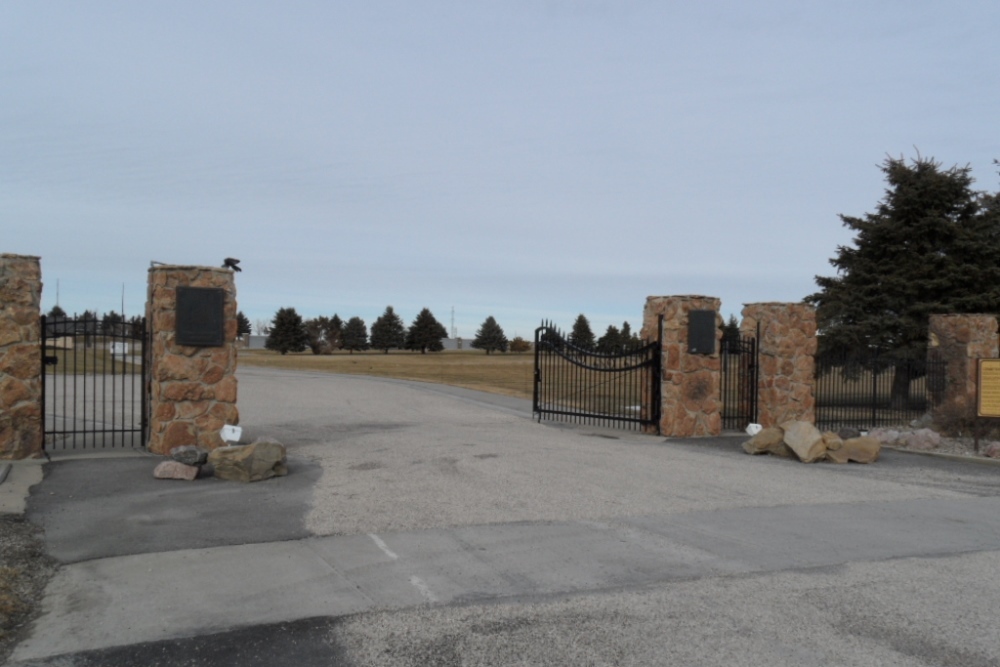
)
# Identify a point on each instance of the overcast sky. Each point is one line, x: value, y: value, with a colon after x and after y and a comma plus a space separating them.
x: 525, y: 159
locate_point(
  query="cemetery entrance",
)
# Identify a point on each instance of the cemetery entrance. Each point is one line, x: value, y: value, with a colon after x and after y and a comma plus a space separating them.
x: 618, y: 389
x: 94, y: 389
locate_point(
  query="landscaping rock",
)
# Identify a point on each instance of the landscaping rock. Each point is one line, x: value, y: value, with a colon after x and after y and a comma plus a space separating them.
x: 923, y: 439
x: 805, y: 440
x: 847, y: 433
x: 175, y: 470
x: 860, y: 450
x: 991, y: 449
x: 833, y: 441
x: 191, y: 455
x: 766, y: 440
x: 257, y: 461
x: 885, y: 436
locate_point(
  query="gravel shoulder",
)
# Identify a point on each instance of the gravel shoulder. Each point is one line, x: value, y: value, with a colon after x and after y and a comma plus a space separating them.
x: 25, y: 569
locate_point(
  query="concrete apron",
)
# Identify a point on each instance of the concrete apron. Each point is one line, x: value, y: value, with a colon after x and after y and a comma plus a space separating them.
x: 138, y: 598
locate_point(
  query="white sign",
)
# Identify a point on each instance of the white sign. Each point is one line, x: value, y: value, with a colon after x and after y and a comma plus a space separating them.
x: 119, y: 349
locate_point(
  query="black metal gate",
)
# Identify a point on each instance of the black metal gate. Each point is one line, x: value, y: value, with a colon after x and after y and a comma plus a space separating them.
x: 619, y: 389
x: 94, y: 389
x: 739, y: 381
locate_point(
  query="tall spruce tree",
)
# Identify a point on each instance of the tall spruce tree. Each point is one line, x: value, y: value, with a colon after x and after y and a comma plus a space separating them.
x: 490, y: 337
x: 388, y: 331
x: 316, y: 329
x: 335, y: 333
x: 582, y: 336
x: 243, y: 327
x: 931, y: 246
x: 355, y: 335
x: 288, y: 332
x: 426, y: 333
x: 611, y: 341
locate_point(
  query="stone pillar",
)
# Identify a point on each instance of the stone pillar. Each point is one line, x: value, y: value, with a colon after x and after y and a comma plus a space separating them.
x: 786, y: 352
x: 959, y: 340
x: 193, y: 389
x: 690, y: 390
x: 20, y: 356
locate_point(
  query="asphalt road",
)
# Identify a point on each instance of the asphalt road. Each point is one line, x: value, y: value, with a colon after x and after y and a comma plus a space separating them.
x: 423, y: 525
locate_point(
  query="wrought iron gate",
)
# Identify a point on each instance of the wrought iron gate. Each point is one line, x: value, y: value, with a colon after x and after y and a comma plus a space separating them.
x: 94, y: 389
x: 618, y: 389
x: 739, y: 381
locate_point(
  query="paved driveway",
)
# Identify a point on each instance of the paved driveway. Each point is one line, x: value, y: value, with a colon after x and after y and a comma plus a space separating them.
x: 424, y: 525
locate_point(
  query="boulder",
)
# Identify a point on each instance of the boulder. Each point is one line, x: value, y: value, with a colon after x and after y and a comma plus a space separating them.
x: 175, y: 470
x: 832, y: 440
x: 992, y: 450
x: 191, y: 455
x: 885, y: 436
x: 860, y: 450
x: 765, y: 441
x: 848, y: 432
x: 257, y: 461
x: 805, y: 440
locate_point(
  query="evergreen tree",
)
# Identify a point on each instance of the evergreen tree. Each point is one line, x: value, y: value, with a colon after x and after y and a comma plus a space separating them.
x: 611, y: 341
x: 388, y: 331
x: 425, y: 333
x: 731, y: 333
x: 335, y: 333
x: 57, y: 312
x: 629, y: 339
x: 931, y: 246
x: 288, y: 333
x: 355, y: 335
x: 581, y: 336
x: 242, y: 325
x: 490, y: 337
x: 112, y: 323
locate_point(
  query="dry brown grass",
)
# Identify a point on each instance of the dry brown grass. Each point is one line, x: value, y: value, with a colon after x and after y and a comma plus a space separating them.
x: 507, y: 374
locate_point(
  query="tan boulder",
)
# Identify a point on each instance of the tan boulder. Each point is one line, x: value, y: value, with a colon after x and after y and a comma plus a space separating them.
x: 258, y: 461
x: 860, y: 450
x: 175, y: 470
x: 832, y: 441
x: 805, y: 440
x: 764, y: 441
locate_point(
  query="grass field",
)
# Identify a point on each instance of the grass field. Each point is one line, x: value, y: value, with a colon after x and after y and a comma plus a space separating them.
x: 508, y: 374
x: 93, y: 360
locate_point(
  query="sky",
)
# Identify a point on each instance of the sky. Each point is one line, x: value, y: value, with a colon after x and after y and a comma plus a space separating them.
x: 523, y: 159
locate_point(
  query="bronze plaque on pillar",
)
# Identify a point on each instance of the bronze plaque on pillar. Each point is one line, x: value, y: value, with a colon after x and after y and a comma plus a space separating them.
x: 201, y: 316
x: 701, y: 332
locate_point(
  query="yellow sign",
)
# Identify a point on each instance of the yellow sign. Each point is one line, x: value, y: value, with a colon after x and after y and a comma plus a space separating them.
x: 988, y: 403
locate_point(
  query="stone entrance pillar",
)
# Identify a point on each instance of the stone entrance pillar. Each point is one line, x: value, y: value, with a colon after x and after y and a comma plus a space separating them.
x: 786, y: 350
x: 958, y: 341
x: 20, y: 356
x: 192, y: 388
x: 691, y: 382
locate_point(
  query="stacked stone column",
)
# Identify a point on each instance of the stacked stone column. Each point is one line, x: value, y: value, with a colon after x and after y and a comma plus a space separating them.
x: 690, y: 389
x: 20, y: 356
x: 786, y: 351
x: 959, y: 341
x: 193, y: 389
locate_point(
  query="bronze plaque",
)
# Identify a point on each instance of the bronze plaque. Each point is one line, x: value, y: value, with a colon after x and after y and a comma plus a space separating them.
x: 701, y: 332
x: 988, y: 389
x: 201, y: 316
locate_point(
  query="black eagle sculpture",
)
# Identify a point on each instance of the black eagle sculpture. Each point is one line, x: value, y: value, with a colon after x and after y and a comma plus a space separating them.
x: 230, y: 263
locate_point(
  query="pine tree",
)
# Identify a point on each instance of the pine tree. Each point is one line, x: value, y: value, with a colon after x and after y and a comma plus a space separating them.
x: 931, y: 246
x: 581, y: 336
x: 335, y: 333
x: 425, y: 333
x: 242, y: 325
x: 490, y: 336
x: 731, y: 334
x: 388, y: 331
x: 355, y: 335
x: 611, y: 341
x: 288, y: 333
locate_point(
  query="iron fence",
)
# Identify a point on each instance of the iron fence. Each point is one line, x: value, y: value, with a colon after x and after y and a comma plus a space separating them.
x: 864, y: 391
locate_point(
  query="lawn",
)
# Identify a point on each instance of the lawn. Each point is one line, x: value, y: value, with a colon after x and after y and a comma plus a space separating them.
x: 509, y: 374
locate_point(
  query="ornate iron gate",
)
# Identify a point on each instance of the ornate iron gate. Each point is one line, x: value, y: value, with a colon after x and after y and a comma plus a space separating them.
x: 739, y: 381
x: 619, y: 389
x: 94, y: 389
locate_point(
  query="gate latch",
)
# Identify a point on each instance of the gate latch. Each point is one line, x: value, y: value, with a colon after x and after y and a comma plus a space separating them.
x: 50, y: 360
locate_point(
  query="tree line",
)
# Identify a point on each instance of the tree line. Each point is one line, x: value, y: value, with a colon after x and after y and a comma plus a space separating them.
x: 289, y: 332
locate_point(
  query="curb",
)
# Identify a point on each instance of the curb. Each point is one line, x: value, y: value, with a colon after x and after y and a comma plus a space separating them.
x: 961, y: 458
